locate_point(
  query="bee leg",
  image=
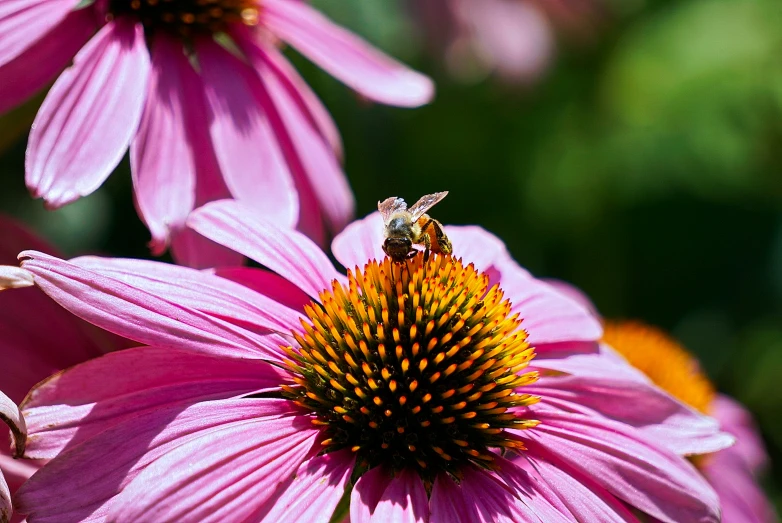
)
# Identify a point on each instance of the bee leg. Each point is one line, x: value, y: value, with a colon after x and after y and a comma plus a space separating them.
x: 427, y: 241
x: 442, y: 240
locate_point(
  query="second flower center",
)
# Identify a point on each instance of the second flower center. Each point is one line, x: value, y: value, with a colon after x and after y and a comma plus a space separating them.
x: 188, y: 18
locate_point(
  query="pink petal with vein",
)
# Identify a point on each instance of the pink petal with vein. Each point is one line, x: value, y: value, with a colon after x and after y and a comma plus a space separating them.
x: 549, y: 317
x: 404, y: 500
x: 139, y: 315
x: 575, y: 294
x: 201, y: 291
x: 311, y: 159
x: 741, y: 497
x: 50, y: 54
x: 307, y: 100
x: 81, y: 480
x: 193, y: 250
x: 626, y: 464
x: 735, y: 419
x: 572, y: 495
x: 188, y: 247
x: 478, y: 246
x: 24, y: 22
x: 595, y: 382
x: 367, y: 493
x: 480, y: 498
x: 267, y: 283
x: 346, y: 56
x: 102, y: 393
x: 89, y: 116
x: 244, y: 141
x: 315, y: 490
x: 227, y: 474
x: 288, y: 253
x: 360, y: 242
x: 161, y: 159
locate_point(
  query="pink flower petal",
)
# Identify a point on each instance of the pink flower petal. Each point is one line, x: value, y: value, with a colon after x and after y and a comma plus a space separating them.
x: 10, y: 415
x: 741, y: 497
x: 227, y: 474
x: 360, y: 242
x: 201, y: 291
x: 404, y: 500
x: 311, y: 159
x: 316, y: 489
x: 307, y: 100
x: 596, y: 382
x: 244, y: 141
x: 50, y: 54
x: 737, y: 420
x: 478, y: 246
x: 81, y: 480
x: 193, y: 250
x: 346, y: 56
x: 549, y: 317
x: 161, y: 160
x: 480, y: 498
x: 101, y: 393
x: 89, y: 116
x: 622, y: 461
x: 24, y: 22
x: 367, y: 493
x: 449, y: 503
x: 575, y: 294
x: 288, y: 253
x: 572, y: 495
x: 267, y: 283
x: 188, y: 247
x: 138, y: 315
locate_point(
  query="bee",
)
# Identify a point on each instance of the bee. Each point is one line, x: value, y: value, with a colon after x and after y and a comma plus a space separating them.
x: 405, y: 227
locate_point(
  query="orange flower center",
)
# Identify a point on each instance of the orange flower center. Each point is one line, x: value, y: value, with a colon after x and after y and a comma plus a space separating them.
x: 413, y: 364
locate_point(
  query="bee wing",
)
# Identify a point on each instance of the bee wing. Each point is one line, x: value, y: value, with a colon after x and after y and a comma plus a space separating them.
x: 389, y: 206
x: 425, y: 203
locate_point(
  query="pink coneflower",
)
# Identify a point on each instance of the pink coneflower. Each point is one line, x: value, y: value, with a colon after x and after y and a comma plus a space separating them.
x: 733, y: 471
x: 37, y: 337
x: 200, y: 91
x: 516, y: 39
x: 408, y: 390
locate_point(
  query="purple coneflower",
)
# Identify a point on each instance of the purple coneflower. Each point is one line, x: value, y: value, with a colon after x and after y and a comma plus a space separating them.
x: 397, y: 392
x: 202, y: 95
x: 732, y: 472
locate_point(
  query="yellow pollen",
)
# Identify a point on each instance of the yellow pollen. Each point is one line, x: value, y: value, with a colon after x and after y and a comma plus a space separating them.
x: 663, y: 360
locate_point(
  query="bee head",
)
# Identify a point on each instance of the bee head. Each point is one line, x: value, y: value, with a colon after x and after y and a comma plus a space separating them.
x: 397, y: 248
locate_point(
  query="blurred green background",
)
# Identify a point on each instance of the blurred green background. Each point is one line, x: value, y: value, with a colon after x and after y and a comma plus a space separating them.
x: 645, y: 166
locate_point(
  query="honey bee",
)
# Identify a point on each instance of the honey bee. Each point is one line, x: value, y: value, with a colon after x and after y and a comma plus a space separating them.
x: 405, y: 227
